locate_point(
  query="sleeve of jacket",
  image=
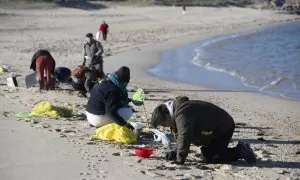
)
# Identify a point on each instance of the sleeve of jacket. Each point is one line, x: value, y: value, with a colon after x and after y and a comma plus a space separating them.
x: 185, y: 133
x: 100, y: 48
x: 33, y: 65
x: 112, y: 104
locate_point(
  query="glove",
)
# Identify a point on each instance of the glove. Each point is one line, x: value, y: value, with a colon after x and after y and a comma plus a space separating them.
x: 170, y: 156
x: 129, y: 126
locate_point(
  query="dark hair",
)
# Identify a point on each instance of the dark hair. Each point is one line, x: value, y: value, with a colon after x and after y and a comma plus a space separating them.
x: 124, y: 74
x: 159, y: 115
x: 89, y: 35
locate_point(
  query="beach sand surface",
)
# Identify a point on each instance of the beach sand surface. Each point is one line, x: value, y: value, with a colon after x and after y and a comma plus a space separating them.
x: 60, y: 148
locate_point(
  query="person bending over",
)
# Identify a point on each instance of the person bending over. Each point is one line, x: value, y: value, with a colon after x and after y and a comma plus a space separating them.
x: 202, y: 124
x: 43, y: 62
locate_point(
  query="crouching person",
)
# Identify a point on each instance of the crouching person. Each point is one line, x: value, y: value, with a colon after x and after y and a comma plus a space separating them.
x: 108, y: 102
x: 79, y: 79
x: 202, y: 124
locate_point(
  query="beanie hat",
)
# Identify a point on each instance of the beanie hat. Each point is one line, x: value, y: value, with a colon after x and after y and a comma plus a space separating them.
x: 124, y: 74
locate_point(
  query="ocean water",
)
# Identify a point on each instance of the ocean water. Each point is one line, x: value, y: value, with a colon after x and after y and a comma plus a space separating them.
x: 265, y: 60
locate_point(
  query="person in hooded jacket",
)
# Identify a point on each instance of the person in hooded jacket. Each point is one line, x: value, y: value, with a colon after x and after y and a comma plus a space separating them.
x: 108, y: 102
x: 202, y: 124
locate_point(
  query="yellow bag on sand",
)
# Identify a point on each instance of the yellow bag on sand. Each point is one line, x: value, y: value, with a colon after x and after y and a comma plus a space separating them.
x: 45, y: 108
x: 115, y: 132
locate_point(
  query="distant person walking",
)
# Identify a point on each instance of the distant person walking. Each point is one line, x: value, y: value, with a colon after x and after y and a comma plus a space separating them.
x: 43, y: 62
x: 183, y: 10
x: 104, y: 30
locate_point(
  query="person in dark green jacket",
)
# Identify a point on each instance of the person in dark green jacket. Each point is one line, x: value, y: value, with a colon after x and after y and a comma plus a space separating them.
x: 202, y: 124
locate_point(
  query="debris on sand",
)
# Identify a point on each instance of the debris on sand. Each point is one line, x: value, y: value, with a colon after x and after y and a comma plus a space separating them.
x: 261, y: 139
x: 116, y: 154
x: 151, y: 174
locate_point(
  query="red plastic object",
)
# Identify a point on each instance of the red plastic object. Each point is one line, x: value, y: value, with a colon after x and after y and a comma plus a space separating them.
x: 143, y: 152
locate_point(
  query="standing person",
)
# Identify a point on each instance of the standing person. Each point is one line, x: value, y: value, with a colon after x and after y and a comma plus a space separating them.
x: 93, y: 60
x: 43, y: 62
x: 109, y: 100
x: 104, y: 29
x: 183, y: 10
x: 203, y: 124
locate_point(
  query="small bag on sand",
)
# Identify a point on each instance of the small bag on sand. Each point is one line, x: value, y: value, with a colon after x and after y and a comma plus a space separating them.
x: 98, y: 35
x: 115, y: 132
x: 45, y: 108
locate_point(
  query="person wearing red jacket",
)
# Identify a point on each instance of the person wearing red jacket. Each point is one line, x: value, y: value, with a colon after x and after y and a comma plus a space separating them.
x: 104, y: 29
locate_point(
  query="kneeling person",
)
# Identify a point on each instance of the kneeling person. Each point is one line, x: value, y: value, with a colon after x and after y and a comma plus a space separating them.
x: 108, y: 102
x: 203, y: 124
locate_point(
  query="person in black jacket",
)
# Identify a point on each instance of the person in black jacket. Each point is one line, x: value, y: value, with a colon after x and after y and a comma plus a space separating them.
x: 202, y: 124
x: 108, y: 102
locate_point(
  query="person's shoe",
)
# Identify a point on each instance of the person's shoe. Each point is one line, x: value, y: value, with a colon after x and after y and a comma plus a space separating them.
x: 82, y: 95
x: 246, y: 152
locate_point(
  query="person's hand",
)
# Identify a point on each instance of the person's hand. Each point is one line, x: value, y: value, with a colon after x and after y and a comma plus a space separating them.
x: 170, y: 156
x: 129, y: 126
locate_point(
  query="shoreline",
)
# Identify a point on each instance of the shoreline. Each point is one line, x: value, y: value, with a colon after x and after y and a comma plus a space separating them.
x: 181, y: 42
x: 234, y: 83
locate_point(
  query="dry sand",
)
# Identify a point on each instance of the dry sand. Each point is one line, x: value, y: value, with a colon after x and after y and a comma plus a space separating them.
x: 48, y: 148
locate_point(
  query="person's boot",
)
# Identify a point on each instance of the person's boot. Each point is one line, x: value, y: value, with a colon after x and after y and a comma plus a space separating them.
x: 42, y: 85
x: 246, y: 152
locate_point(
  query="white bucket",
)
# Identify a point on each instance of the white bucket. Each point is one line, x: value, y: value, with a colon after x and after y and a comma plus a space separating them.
x: 138, y: 125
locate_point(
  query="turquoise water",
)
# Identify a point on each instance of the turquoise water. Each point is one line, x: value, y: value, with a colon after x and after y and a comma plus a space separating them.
x: 266, y: 60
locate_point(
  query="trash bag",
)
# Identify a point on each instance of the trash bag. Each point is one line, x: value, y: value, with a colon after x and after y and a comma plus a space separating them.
x: 115, y: 132
x: 45, y: 108
x: 138, y: 97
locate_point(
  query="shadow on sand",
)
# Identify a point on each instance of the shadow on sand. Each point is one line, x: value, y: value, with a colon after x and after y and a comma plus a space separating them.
x: 271, y: 164
x: 83, y: 5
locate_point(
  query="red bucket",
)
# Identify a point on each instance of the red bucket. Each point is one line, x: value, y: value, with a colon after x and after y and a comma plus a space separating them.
x: 143, y: 152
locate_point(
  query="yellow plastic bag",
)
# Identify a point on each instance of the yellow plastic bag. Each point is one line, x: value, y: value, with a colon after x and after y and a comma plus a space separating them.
x: 115, y: 132
x: 45, y: 108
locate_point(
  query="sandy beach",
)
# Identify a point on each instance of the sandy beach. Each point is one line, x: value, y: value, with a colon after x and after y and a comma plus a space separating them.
x: 60, y: 148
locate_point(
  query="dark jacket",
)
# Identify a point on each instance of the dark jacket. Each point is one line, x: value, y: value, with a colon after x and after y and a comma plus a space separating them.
x: 197, y: 122
x: 38, y: 54
x: 105, y: 99
x: 95, y: 51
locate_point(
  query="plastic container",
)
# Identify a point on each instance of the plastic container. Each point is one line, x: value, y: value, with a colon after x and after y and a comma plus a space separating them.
x: 143, y: 152
x: 138, y: 125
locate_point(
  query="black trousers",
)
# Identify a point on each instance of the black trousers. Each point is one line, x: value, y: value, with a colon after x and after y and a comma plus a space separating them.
x: 95, y: 72
x: 104, y: 34
x: 218, y: 151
